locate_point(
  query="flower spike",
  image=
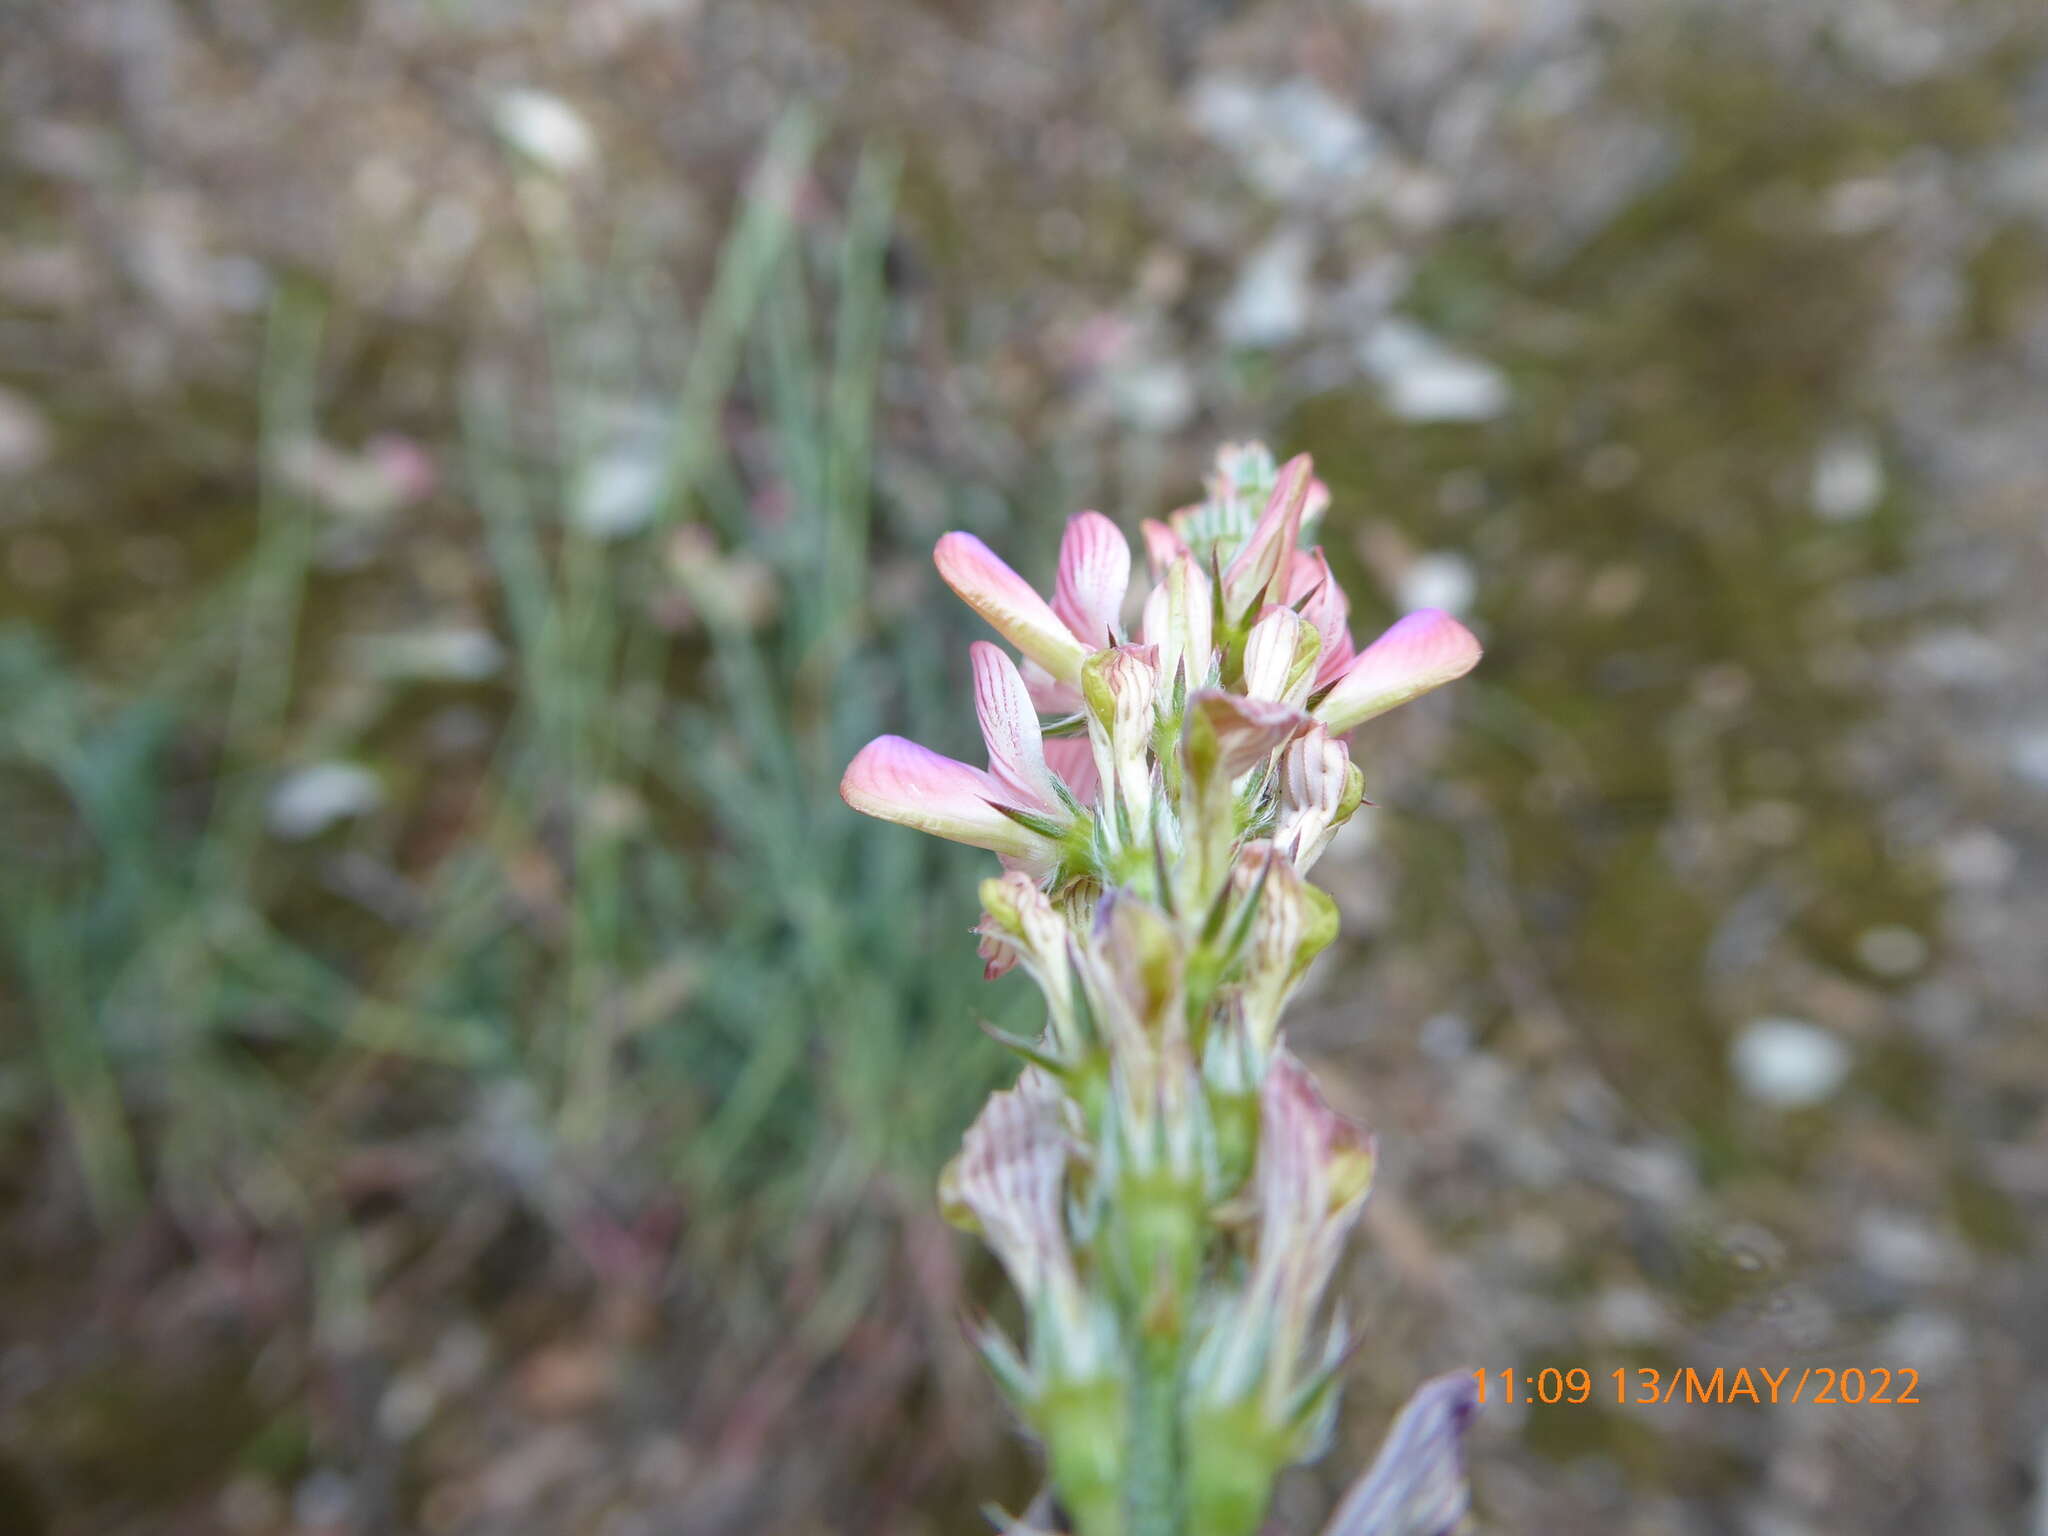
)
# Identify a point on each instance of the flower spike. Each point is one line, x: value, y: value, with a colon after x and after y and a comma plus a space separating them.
x: 1165, y: 1185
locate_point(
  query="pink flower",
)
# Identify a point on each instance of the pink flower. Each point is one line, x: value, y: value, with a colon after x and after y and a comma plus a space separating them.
x: 1086, y: 610
x: 1012, y: 809
x: 1423, y: 651
x: 913, y: 786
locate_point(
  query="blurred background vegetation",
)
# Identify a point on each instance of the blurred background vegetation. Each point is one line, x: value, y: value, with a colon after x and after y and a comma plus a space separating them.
x: 466, y: 477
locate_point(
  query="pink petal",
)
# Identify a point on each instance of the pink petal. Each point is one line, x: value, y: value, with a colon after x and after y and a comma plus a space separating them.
x: 1010, y: 1174
x: 1423, y: 651
x: 900, y: 781
x: 1311, y: 1159
x: 1247, y: 730
x: 1309, y: 577
x: 1265, y: 552
x: 1009, y: 725
x: 1095, y: 572
x: 1073, y: 759
x: 1006, y: 601
x: 1162, y: 546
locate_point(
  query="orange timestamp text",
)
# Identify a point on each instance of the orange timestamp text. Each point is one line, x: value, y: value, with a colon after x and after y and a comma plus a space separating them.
x: 1848, y: 1386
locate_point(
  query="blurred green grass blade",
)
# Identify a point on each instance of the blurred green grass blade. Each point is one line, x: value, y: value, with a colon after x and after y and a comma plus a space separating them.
x: 77, y: 1059
x: 273, y: 592
x: 749, y: 259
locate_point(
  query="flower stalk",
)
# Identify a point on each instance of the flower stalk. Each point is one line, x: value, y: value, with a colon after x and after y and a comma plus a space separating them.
x: 1165, y: 1186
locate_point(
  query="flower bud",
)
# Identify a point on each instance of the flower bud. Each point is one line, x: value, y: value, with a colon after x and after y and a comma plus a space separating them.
x: 1320, y: 788
x: 1019, y: 924
x: 1120, y: 686
x: 1178, y: 620
x: 1280, y: 657
x: 1141, y: 970
x: 1007, y: 1179
x: 1291, y: 923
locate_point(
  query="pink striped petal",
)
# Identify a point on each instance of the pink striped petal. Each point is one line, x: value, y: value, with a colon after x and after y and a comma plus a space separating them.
x: 1311, y: 584
x: 1008, y: 1179
x: 1417, y: 1482
x: 900, y: 781
x: 1095, y: 573
x: 1073, y: 759
x: 1006, y: 601
x: 1009, y: 725
x: 1265, y: 553
x: 1423, y: 651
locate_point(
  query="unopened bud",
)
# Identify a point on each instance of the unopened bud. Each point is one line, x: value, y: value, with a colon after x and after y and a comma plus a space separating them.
x: 1291, y: 923
x: 1120, y: 686
x: 1019, y: 923
x: 1179, y: 621
x: 1280, y: 657
x: 1320, y: 788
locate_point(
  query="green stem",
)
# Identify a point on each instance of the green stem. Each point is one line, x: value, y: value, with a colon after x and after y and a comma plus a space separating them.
x: 1153, y: 1486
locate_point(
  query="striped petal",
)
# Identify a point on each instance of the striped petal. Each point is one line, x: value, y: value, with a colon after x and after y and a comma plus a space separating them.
x: 1008, y: 1178
x: 1006, y: 601
x: 1423, y: 651
x: 1416, y: 1487
x: 1009, y: 725
x: 1095, y: 573
x: 900, y: 781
